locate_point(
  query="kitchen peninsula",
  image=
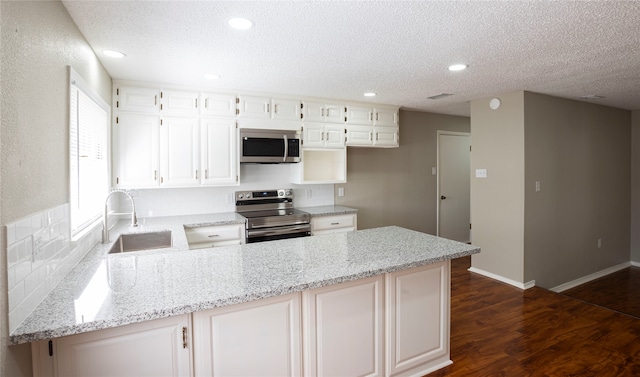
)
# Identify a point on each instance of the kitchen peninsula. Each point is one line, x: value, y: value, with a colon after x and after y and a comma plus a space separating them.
x: 372, y: 302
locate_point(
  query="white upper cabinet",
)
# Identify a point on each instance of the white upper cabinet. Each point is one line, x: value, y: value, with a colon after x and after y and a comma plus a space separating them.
x: 136, y: 99
x: 321, y: 112
x: 320, y: 135
x: 179, y: 152
x: 177, y: 102
x: 268, y: 108
x: 369, y: 116
x: 136, y: 141
x: 219, y: 157
x: 217, y: 104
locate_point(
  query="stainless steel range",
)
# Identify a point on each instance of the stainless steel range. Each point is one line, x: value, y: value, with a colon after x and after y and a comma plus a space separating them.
x: 270, y: 215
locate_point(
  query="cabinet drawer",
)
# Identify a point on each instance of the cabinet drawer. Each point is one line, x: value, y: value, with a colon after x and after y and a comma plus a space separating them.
x: 210, y: 236
x: 328, y: 224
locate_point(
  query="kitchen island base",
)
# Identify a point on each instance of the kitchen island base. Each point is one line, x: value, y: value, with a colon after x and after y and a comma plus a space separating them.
x: 393, y: 324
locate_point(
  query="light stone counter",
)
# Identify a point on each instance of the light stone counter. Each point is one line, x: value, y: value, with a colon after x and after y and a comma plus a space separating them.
x: 105, y: 291
x: 328, y: 210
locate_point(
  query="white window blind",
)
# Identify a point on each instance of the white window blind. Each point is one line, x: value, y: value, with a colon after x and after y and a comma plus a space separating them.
x: 89, y: 167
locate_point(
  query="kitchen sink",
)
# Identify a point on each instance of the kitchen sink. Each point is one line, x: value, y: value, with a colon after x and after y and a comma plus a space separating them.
x: 141, y: 241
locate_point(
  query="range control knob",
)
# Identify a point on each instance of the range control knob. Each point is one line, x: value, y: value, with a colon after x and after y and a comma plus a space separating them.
x: 248, y: 195
x: 240, y: 196
x: 287, y: 192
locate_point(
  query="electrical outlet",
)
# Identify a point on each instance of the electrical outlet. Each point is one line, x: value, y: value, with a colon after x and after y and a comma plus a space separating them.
x: 229, y: 198
x: 599, y: 243
x: 308, y: 193
x: 340, y: 191
x: 537, y: 186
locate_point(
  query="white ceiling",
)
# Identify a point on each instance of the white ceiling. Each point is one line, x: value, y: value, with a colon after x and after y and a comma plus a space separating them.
x: 398, y: 49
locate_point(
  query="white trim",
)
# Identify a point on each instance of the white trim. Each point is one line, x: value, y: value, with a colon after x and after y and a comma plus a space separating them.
x: 635, y: 264
x: 517, y: 284
x: 588, y: 278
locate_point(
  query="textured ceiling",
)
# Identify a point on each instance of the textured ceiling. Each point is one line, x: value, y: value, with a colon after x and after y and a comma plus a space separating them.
x: 398, y: 49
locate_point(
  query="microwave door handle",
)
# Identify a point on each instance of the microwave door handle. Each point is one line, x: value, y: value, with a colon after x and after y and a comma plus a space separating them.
x: 286, y: 149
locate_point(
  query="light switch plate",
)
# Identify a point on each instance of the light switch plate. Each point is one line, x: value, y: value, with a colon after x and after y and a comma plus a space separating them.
x: 481, y: 173
x: 434, y: 170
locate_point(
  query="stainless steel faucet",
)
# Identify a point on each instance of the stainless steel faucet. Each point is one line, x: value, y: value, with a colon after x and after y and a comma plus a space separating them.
x: 105, y: 222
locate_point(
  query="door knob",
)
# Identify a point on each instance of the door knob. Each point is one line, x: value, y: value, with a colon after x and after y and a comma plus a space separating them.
x: 443, y: 197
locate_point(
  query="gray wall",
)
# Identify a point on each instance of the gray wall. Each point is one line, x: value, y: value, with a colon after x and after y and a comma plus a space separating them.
x: 497, y: 202
x: 635, y: 186
x: 395, y: 186
x: 39, y: 41
x: 581, y: 155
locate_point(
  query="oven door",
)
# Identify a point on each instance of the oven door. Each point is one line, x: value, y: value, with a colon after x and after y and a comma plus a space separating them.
x: 278, y: 233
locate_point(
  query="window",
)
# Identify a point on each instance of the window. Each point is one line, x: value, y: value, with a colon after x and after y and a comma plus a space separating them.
x: 88, y: 157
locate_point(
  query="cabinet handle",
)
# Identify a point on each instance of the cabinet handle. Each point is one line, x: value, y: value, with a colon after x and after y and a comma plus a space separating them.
x: 376, y: 136
x: 268, y: 108
x: 155, y: 175
x: 213, y: 235
x: 371, y: 116
x: 155, y: 100
x: 335, y: 223
x: 196, y: 103
x: 322, y: 136
x: 206, y: 173
x: 322, y: 112
x: 196, y: 174
x: 206, y: 103
x: 275, y: 108
x: 184, y: 337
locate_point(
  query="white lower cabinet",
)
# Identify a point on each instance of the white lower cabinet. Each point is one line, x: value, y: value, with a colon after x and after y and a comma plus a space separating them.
x: 258, y: 338
x: 418, y: 301
x: 214, y: 236
x: 333, y: 224
x: 160, y: 347
x: 344, y: 329
x: 396, y: 324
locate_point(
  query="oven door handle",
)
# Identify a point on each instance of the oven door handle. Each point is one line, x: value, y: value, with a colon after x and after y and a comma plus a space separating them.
x: 277, y: 231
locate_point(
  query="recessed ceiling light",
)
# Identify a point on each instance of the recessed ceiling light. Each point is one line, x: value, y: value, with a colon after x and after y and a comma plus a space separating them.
x: 210, y: 76
x: 113, y: 54
x: 370, y: 94
x: 240, y: 23
x: 458, y: 67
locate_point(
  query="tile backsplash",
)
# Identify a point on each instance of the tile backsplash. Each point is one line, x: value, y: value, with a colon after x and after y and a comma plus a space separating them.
x: 39, y: 254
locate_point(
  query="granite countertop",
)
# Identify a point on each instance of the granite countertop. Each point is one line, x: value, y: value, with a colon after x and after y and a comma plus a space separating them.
x: 105, y: 291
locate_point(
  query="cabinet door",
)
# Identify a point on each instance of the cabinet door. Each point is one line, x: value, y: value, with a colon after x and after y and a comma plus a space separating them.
x: 136, y: 142
x: 254, y: 107
x: 360, y: 115
x: 334, y: 113
x: 385, y: 136
x: 359, y: 135
x: 219, y: 156
x: 333, y: 224
x: 216, y: 104
x: 344, y: 326
x: 258, y: 338
x: 313, y: 135
x: 334, y: 136
x: 418, y: 319
x: 154, y: 348
x: 142, y: 100
x: 313, y: 111
x: 179, y: 141
x: 177, y: 102
x: 284, y: 109
x: 385, y: 117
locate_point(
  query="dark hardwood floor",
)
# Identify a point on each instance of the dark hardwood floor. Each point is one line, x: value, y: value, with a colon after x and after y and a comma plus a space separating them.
x: 500, y: 330
x: 618, y: 291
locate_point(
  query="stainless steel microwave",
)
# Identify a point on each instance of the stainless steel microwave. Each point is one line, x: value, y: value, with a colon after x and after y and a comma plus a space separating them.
x: 269, y: 146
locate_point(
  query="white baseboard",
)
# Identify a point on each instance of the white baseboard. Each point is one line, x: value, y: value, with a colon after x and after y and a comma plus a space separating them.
x: 503, y: 279
x: 635, y: 264
x: 593, y: 276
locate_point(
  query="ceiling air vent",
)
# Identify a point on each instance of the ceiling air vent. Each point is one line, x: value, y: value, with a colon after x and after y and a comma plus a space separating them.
x: 441, y: 95
x: 592, y: 96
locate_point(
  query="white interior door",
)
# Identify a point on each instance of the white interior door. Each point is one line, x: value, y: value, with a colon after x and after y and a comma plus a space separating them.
x: 453, y: 185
